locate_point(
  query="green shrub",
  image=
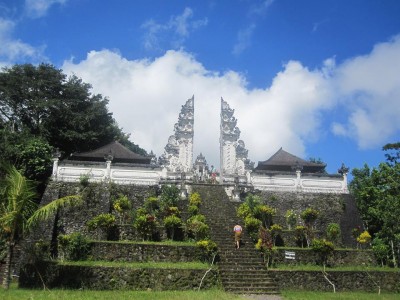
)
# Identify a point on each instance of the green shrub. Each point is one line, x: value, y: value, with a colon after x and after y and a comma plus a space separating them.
x: 73, y: 246
x: 172, y: 223
x: 244, y: 211
x: 323, y: 248
x: 169, y: 196
x: 84, y: 180
x: 264, y: 213
x: 291, y: 219
x: 152, y: 205
x: 173, y: 211
x: 364, y: 238
x: 195, y: 199
x: 208, y: 248
x: 333, y: 232
x: 309, y: 216
x: 252, y: 225
x: 102, y: 221
x: 193, y: 210
x: 275, y: 231
x: 146, y: 225
x: 266, y: 246
x: 380, y: 249
x: 300, y: 235
x: 122, y: 204
x: 197, y: 228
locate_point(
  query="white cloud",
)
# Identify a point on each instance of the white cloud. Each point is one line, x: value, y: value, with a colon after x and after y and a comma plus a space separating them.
x: 146, y: 97
x: 39, y: 8
x: 369, y: 88
x: 260, y: 8
x: 173, y: 33
x: 13, y: 49
x: 243, y: 39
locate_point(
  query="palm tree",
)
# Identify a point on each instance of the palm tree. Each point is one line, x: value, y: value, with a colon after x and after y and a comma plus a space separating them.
x: 19, y: 213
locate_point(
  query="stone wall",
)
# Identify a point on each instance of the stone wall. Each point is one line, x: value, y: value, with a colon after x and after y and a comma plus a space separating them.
x: 97, y: 200
x: 343, y: 280
x: 143, y: 252
x: 348, y: 257
x: 333, y: 208
x: 109, y: 278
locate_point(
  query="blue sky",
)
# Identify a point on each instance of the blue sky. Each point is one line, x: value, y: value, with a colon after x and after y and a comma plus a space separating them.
x: 318, y: 78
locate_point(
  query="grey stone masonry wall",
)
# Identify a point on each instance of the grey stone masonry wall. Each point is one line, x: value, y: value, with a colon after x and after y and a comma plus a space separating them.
x: 343, y: 280
x: 333, y: 208
x: 143, y: 252
x: 109, y: 278
x: 350, y: 257
x: 97, y: 200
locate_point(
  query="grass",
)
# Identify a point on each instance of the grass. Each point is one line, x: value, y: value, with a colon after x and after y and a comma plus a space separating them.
x: 18, y: 294
x: 139, y: 265
x: 163, y: 243
x: 307, y: 295
x: 310, y: 267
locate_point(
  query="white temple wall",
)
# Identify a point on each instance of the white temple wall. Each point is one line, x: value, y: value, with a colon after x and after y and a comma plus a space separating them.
x: 297, y: 183
x: 118, y: 175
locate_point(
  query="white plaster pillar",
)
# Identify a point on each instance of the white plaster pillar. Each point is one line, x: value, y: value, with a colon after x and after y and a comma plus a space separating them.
x: 55, y: 168
x: 298, y: 179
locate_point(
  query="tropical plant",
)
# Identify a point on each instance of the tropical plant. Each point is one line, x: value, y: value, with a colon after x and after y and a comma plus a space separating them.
x: 104, y: 222
x: 193, y: 210
x: 73, y: 246
x: 122, y: 206
x: 208, y: 248
x: 152, y: 205
x: 19, y: 212
x: 266, y: 246
x: 252, y: 225
x: 146, y: 225
x: 195, y: 199
x: 324, y: 249
x: 172, y: 223
x: 333, y: 232
x: 275, y: 230
x: 169, y: 195
x: 264, y: 213
x: 364, y: 238
x: 197, y: 228
x: 309, y: 216
x: 291, y: 219
x: 300, y: 235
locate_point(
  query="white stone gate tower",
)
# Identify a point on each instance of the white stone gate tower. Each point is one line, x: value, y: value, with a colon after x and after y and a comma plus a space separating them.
x: 178, y: 155
x: 233, y: 154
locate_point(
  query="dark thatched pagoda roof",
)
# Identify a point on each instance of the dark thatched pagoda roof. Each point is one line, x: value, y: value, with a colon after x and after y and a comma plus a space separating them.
x: 119, y: 153
x: 283, y: 161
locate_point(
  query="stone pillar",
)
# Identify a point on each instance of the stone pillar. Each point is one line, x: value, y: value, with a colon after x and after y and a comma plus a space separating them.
x: 109, y: 159
x: 56, y: 158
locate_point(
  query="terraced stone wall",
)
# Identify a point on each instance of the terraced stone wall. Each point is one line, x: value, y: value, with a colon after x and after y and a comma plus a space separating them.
x: 343, y: 280
x: 333, y: 208
x: 106, y: 278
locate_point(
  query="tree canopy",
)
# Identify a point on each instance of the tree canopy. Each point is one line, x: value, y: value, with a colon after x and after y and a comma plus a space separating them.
x: 41, y: 106
x: 377, y: 193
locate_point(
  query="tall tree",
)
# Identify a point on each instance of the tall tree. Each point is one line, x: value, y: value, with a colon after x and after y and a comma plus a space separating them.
x: 377, y: 193
x: 40, y: 102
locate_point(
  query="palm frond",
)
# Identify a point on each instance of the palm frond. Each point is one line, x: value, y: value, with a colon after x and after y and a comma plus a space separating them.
x: 46, y: 211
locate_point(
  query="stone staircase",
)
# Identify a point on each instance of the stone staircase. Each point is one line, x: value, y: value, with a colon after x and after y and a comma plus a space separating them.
x: 241, y: 270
